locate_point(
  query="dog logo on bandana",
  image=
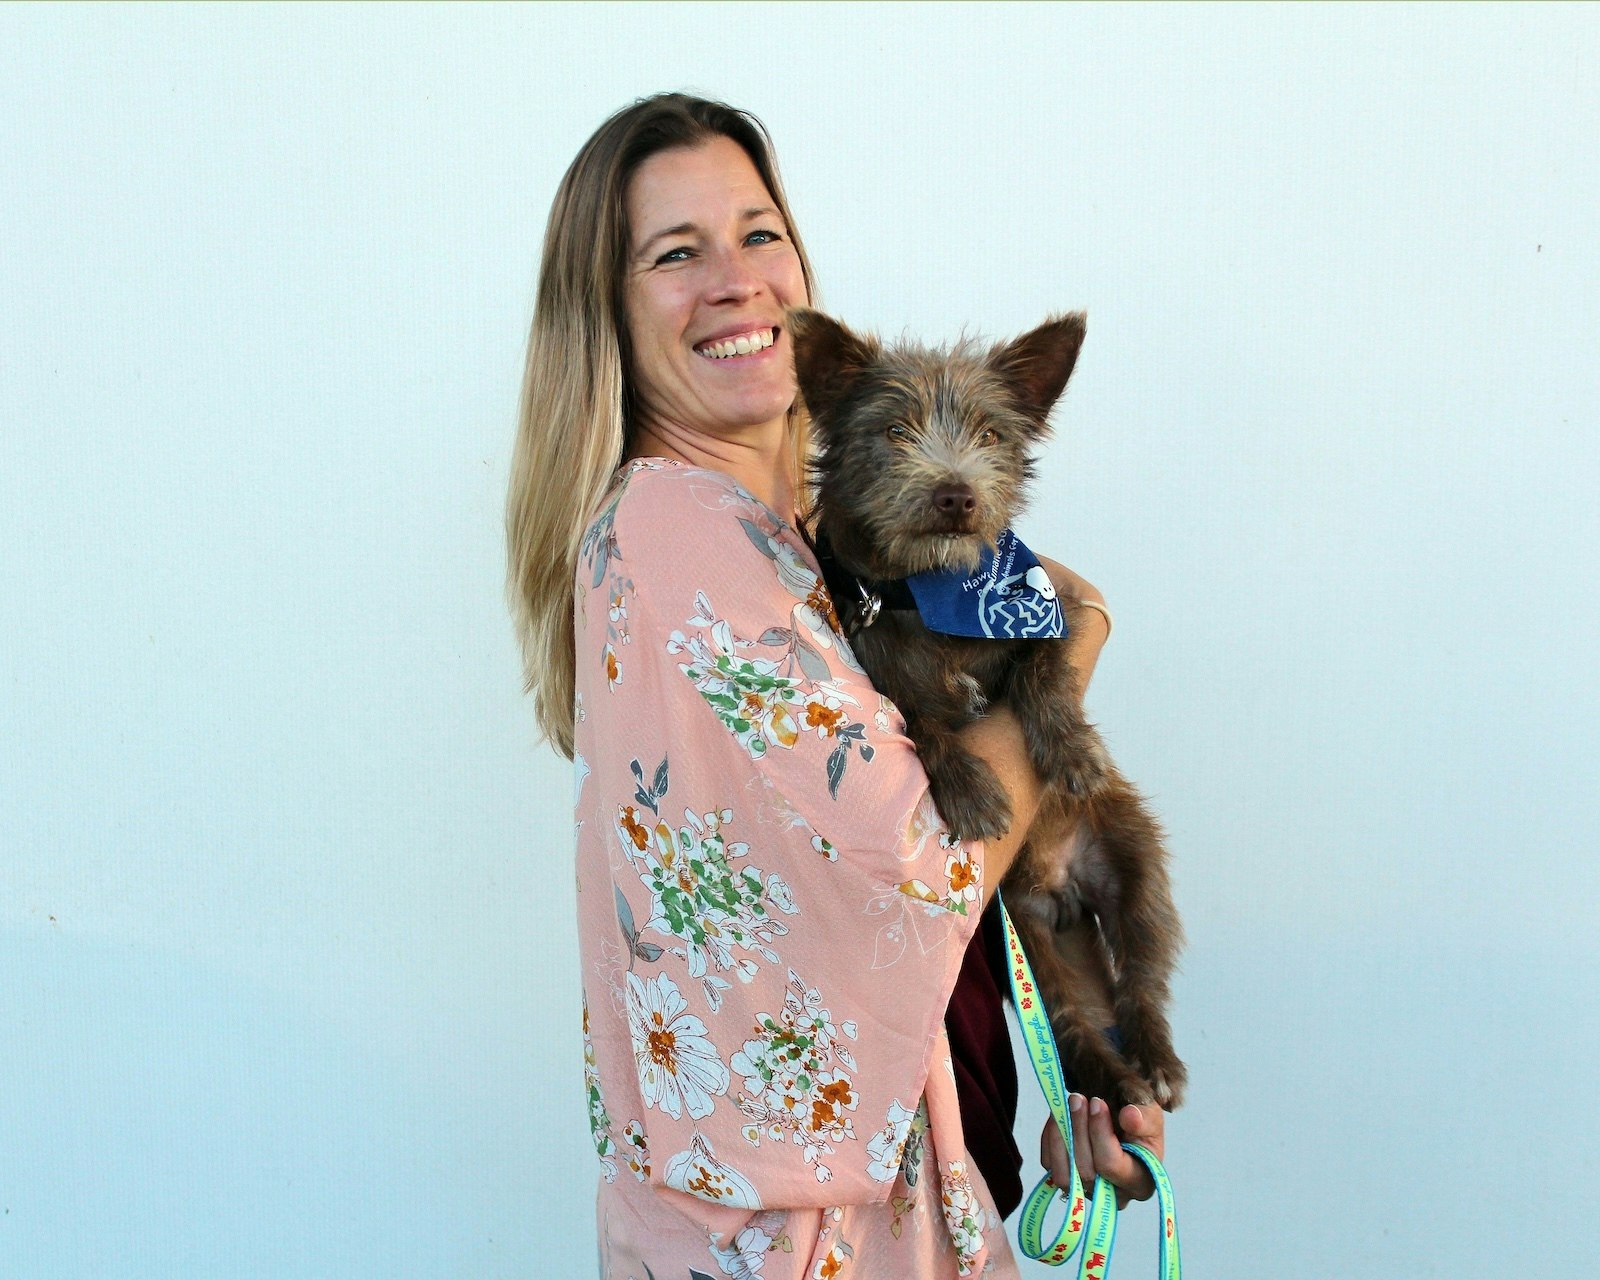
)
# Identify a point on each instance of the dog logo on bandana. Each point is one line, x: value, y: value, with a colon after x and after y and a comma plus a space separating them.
x: 1010, y: 597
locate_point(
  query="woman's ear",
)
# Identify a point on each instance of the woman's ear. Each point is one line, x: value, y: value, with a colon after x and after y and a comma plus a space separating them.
x: 828, y: 358
x: 1036, y: 366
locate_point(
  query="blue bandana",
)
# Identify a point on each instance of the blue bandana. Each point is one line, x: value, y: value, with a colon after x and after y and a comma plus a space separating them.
x: 1010, y: 597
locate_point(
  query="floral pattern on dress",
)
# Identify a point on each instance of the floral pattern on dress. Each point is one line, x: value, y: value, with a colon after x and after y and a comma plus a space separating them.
x: 599, y: 552
x: 745, y: 1257
x: 914, y: 899
x: 796, y: 1085
x: 888, y: 1147
x: 635, y: 1150
x: 708, y: 887
x: 699, y: 1172
x: 768, y: 702
x: 605, y: 1145
x: 678, y: 1066
x: 697, y: 895
x: 963, y: 1213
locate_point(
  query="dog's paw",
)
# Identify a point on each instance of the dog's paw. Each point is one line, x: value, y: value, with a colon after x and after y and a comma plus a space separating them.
x: 1169, y: 1083
x: 970, y: 799
x: 1083, y: 770
x: 1100, y: 1073
x: 1167, y: 1077
x: 1068, y: 752
x: 969, y: 693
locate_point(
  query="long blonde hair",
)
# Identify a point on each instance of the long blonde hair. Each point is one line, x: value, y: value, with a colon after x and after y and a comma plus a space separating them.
x: 574, y: 421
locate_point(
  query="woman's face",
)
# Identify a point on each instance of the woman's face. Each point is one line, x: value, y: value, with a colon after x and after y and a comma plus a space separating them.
x: 711, y: 269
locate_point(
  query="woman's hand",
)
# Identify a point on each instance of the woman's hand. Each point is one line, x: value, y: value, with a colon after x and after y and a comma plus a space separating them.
x: 1098, y: 1151
x: 1089, y: 636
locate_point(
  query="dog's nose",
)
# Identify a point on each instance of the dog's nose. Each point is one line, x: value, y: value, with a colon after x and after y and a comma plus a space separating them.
x: 954, y: 499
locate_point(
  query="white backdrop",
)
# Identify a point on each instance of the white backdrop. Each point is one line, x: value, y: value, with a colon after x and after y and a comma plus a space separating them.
x: 287, y: 975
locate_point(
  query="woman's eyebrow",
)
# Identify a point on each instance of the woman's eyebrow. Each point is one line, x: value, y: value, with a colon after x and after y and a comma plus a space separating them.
x: 682, y: 229
x: 689, y: 228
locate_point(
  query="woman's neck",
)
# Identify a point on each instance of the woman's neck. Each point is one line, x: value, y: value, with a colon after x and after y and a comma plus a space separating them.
x: 759, y: 461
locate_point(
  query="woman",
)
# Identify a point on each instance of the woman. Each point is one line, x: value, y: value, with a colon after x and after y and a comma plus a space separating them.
x: 772, y: 917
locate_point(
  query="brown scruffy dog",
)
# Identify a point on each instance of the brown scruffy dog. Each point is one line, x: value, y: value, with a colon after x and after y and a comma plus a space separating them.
x: 925, y: 457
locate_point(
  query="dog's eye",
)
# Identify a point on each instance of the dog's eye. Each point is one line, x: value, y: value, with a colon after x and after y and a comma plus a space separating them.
x: 898, y: 432
x: 989, y: 437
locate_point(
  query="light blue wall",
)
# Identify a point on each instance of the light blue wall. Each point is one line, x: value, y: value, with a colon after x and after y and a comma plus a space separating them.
x: 287, y: 974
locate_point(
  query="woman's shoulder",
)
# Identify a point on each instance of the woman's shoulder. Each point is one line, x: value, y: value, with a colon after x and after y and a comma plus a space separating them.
x: 668, y: 507
x: 646, y: 486
x: 663, y: 519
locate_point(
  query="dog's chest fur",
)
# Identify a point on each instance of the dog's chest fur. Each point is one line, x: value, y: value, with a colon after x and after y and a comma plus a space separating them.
x: 977, y: 672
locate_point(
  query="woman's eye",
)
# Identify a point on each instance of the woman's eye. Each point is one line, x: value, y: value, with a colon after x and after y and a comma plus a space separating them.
x: 680, y: 254
x: 764, y: 237
x: 989, y: 438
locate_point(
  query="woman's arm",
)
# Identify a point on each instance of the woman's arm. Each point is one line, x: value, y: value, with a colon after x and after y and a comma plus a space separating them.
x: 1089, y: 637
x: 1097, y: 1149
x: 997, y: 738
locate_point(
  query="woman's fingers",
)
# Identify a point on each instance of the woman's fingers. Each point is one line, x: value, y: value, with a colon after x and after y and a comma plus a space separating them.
x: 1147, y: 1126
x: 1053, y: 1154
x: 1097, y: 1148
x: 1082, y: 1152
x: 1127, y: 1174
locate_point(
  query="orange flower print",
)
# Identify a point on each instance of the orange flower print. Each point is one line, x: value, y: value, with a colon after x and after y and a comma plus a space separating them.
x: 637, y: 832
x: 962, y: 873
x: 830, y: 1266
x: 612, y: 666
x: 821, y: 603
x: 792, y: 1086
x: 825, y: 719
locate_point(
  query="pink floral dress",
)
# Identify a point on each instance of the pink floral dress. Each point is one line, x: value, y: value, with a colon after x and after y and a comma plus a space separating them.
x: 771, y: 917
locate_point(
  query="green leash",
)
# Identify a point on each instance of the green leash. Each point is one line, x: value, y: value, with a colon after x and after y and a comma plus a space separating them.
x: 1098, y: 1230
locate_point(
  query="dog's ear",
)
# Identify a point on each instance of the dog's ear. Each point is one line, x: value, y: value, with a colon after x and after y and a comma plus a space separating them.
x: 1036, y: 366
x: 827, y: 357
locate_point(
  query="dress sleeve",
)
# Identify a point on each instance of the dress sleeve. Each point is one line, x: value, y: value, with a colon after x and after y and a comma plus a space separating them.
x: 796, y: 911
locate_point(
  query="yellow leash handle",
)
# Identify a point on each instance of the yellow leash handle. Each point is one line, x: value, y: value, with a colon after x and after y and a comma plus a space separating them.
x: 1092, y: 1225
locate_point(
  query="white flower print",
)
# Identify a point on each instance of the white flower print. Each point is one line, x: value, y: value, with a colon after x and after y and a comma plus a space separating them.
x: 699, y: 896
x: 815, y: 612
x: 678, y: 1067
x: 962, y: 1214
x: 748, y: 694
x: 766, y: 703
x: 888, y: 1148
x: 961, y: 872
x: 833, y: 1264
x: 635, y: 1150
x: 746, y: 1257
x: 796, y: 1085
x: 700, y: 1173
x: 605, y: 1145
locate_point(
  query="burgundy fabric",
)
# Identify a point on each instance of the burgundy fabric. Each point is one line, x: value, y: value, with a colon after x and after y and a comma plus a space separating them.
x: 986, y: 1072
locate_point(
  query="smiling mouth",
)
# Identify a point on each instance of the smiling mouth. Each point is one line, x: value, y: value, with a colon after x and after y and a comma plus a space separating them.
x: 743, y: 344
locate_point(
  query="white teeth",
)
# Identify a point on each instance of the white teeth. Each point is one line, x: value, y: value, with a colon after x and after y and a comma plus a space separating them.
x: 743, y: 345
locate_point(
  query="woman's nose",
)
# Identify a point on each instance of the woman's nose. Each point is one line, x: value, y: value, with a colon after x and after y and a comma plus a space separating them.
x: 731, y: 280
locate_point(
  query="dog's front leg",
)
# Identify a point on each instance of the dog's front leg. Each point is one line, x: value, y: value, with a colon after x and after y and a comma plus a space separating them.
x: 1065, y: 748
x: 938, y: 700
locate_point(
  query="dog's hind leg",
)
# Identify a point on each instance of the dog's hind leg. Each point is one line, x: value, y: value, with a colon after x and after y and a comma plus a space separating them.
x: 1132, y: 897
x: 1068, y: 970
